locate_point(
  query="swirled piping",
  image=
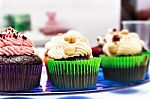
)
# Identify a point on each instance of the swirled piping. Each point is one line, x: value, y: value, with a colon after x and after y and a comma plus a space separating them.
x: 14, y: 43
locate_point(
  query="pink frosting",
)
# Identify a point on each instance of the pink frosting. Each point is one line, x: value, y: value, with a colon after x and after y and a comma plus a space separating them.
x: 14, y: 43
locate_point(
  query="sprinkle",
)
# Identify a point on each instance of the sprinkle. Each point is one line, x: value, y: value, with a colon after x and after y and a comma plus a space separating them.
x: 1, y: 35
x: 24, y: 37
x: 114, y: 30
x: 12, y: 30
x: 8, y: 28
x: 116, y: 38
x: 15, y: 36
x: 97, y: 39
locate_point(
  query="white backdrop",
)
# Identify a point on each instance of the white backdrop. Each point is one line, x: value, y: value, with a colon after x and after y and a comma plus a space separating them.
x: 91, y: 17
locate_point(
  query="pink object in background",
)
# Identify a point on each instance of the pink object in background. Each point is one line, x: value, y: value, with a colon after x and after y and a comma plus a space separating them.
x: 52, y: 27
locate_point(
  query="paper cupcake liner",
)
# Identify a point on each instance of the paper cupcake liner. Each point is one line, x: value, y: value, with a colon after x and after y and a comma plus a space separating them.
x: 125, y: 68
x: 74, y: 74
x: 123, y: 61
x: 129, y: 74
x: 19, y: 77
x: 147, y: 53
x: 47, y: 71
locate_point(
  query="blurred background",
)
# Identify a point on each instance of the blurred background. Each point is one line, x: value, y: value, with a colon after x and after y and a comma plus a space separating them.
x: 42, y: 19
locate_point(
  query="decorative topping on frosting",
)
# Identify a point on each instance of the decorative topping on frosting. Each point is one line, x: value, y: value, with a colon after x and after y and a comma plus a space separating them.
x: 116, y: 38
x: 101, y: 40
x: 113, y: 49
x: 114, y: 30
x: 70, y: 50
x: 70, y: 38
x: 15, y: 36
x: 25, y: 38
x: 14, y: 43
x: 125, y: 31
x: 68, y: 45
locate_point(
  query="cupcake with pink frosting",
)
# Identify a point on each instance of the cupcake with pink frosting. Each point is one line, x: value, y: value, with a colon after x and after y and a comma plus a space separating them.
x: 20, y: 68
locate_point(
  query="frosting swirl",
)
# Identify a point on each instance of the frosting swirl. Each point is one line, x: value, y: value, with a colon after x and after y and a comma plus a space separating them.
x: 124, y: 43
x: 14, y: 43
x: 68, y: 45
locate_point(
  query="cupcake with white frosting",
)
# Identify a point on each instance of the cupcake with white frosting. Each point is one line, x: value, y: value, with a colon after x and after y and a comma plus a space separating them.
x: 124, y: 60
x: 70, y: 62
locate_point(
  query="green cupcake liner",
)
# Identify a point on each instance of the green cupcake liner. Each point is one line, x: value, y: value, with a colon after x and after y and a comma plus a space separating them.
x: 125, y: 68
x: 74, y: 74
x: 147, y: 53
x: 123, y: 61
x: 74, y: 67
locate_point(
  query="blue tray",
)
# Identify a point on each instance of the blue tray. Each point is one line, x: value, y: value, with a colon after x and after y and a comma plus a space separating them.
x: 102, y: 85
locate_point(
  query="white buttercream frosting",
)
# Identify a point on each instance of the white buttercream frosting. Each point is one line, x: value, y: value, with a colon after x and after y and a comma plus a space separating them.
x: 74, y: 45
x: 129, y: 44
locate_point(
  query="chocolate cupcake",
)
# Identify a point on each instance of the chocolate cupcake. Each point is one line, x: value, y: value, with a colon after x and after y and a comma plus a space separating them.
x: 124, y: 59
x: 98, y: 50
x: 20, y: 69
x: 71, y: 65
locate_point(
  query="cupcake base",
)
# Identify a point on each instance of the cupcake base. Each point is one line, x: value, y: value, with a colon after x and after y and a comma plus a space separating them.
x: 125, y: 74
x: 125, y: 68
x: 19, y: 72
x: 69, y: 81
x: 74, y: 75
x: 19, y: 78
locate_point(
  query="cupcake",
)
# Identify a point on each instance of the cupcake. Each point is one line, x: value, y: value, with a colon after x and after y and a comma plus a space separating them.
x: 70, y: 64
x: 124, y: 59
x: 98, y: 50
x: 20, y: 69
